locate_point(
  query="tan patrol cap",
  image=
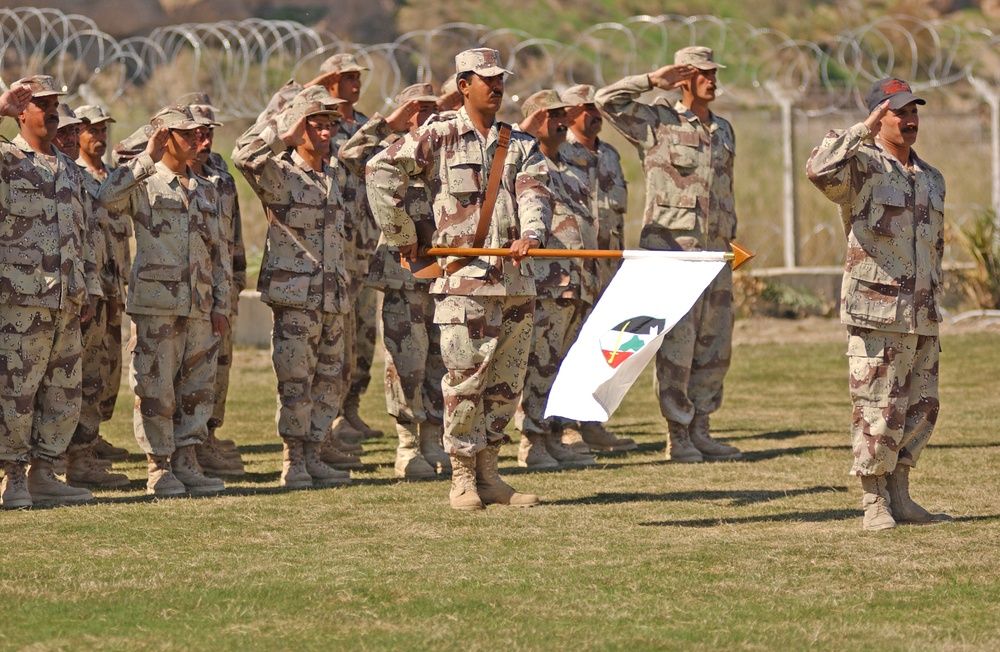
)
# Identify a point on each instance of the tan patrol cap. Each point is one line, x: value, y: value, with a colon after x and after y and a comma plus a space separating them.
x: 132, y: 146
x: 547, y: 99
x: 91, y: 114
x: 485, y: 62
x: 418, y: 92
x: 40, y: 85
x: 342, y: 62
x: 449, y: 86
x: 174, y: 116
x: 66, y: 117
x: 698, y: 56
x: 305, y: 104
x: 317, y: 93
x: 579, y: 94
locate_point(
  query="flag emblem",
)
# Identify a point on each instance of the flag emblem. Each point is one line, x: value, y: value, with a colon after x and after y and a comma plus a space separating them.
x: 627, y: 338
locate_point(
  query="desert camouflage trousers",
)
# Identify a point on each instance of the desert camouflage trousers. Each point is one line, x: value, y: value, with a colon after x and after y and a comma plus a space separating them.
x: 173, y: 376
x: 222, y: 371
x: 557, y: 324
x: 894, y: 392
x: 693, y: 360
x: 102, y: 372
x: 413, y: 365
x: 361, y: 326
x: 485, y: 342
x: 307, y: 351
x: 40, y: 377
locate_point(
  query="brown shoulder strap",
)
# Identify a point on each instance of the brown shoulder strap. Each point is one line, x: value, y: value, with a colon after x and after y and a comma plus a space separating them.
x: 489, y: 202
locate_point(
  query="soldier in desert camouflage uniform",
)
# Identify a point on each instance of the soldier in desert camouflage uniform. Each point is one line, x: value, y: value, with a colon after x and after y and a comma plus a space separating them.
x: 601, y: 166
x: 892, y: 206
x: 116, y: 230
x: 179, y: 296
x: 565, y: 288
x: 83, y: 468
x: 215, y: 456
x: 47, y: 284
x: 413, y: 366
x: 303, y: 276
x: 687, y: 153
x: 483, y: 305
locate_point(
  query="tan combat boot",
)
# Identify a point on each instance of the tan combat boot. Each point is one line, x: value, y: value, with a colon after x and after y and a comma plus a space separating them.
x: 679, y: 446
x: 184, y: 464
x: 214, y: 461
x: 293, y: 465
x: 321, y: 474
x: 710, y: 448
x: 489, y: 486
x: 351, y: 404
x: 83, y: 469
x: 430, y: 447
x: 107, y: 451
x: 563, y: 454
x: 904, y: 510
x: 464, y: 495
x: 410, y: 464
x: 227, y: 447
x: 44, y: 486
x: 344, y: 431
x: 875, y: 501
x: 598, y: 438
x: 532, y: 453
x: 162, y: 482
x: 335, y: 441
x: 336, y: 458
x: 14, y: 492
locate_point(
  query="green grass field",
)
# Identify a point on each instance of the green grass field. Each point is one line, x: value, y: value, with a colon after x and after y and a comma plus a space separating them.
x: 766, y: 553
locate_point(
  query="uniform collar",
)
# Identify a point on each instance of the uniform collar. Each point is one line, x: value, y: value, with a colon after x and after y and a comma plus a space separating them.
x: 688, y: 115
x: 20, y: 143
x: 918, y: 163
x: 466, y: 126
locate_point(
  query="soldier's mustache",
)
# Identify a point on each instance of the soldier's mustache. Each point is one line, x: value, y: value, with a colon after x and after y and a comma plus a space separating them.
x: 907, y: 130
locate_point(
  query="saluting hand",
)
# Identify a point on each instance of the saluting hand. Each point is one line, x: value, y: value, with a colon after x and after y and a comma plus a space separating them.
x: 874, y: 120
x: 14, y: 101
x: 157, y: 144
x: 533, y: 123
x: 296, y: 135
x: 669, y: 77
x: 399, y: 120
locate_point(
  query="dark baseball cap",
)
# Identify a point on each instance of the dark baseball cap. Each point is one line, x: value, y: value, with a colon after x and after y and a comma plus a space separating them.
x: 897, y: 91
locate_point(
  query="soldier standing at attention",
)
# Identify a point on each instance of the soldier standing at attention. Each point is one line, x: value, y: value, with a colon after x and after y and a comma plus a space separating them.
x: 303, y: 276
x: 565, y: 288
x: 687, y: 154
x: 892, y: 206
x: 483, y: 305
x: 601, y: 166
x: 116, y: 229
x: 179, y: 294
x: 215, y: 456
x: 46, y: 290
x: 83, y: 468
x: 413, y: 367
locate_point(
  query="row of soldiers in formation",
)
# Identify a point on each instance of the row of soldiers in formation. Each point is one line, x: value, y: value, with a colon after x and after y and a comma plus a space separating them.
x: 350, y: 201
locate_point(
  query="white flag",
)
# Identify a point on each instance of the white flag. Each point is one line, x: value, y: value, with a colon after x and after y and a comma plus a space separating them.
x: 651, y: 292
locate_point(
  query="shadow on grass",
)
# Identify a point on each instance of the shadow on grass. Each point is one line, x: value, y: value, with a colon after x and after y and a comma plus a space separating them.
x: 735, y: 498
x: 810, y: 517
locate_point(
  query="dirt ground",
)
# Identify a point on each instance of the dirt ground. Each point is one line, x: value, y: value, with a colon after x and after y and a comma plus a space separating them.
x: 767, y: 330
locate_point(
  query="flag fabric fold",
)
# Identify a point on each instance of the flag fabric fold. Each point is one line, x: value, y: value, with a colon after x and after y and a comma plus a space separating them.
x: 649, y: 294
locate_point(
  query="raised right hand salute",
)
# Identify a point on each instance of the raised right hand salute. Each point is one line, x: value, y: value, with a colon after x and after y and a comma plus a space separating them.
x: 13, y: 102
x: 669, y: 77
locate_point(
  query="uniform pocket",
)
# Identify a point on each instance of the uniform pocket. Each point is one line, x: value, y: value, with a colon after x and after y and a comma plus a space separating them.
x: 289, y: 282
x: 872, y: 294
x: 157, y: 287
x: 11, y: 364
x: 869, y: 371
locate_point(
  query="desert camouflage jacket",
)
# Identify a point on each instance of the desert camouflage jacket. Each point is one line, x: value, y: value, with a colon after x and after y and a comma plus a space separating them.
x: 182, y: 265
x: 303, y: 264
x: 46, y: 252
x: 454, y: 162
x: 111, y: 235
x: 689, y: 168
x: 217, y: 173
x: 608, y: 190
x: 573, y: 227
x: 385, y: 270
x: 359, y: 225
x: 894, y: 222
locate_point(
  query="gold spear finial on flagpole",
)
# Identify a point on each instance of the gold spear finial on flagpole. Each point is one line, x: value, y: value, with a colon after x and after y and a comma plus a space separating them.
x: 739, y: 255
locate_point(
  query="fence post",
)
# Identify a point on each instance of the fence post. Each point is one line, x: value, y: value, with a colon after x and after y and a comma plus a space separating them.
x: 790, y: 231
x: 992, y: 98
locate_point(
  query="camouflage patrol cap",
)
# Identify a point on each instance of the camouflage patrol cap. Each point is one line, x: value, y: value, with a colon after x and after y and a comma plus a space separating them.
x: 174, y: 116
x: 342, y: 62
x: 897, y: 91
x: 698, y: 56
x: 132, y: 146
x: 201, y: 108
x: 198, y: 97
x: 91, y: 114
x: 485, y: 62
x: 547, y: 99
x: 39, y: 85
x: 418, y: 92
x: 317, y: 93
x: 449, y: 86
x: 66, y: 117
x: 579, y: 94
x: 305, y: 105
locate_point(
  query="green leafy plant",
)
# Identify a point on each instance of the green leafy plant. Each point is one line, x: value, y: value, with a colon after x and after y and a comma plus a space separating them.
x: 979, y: 238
